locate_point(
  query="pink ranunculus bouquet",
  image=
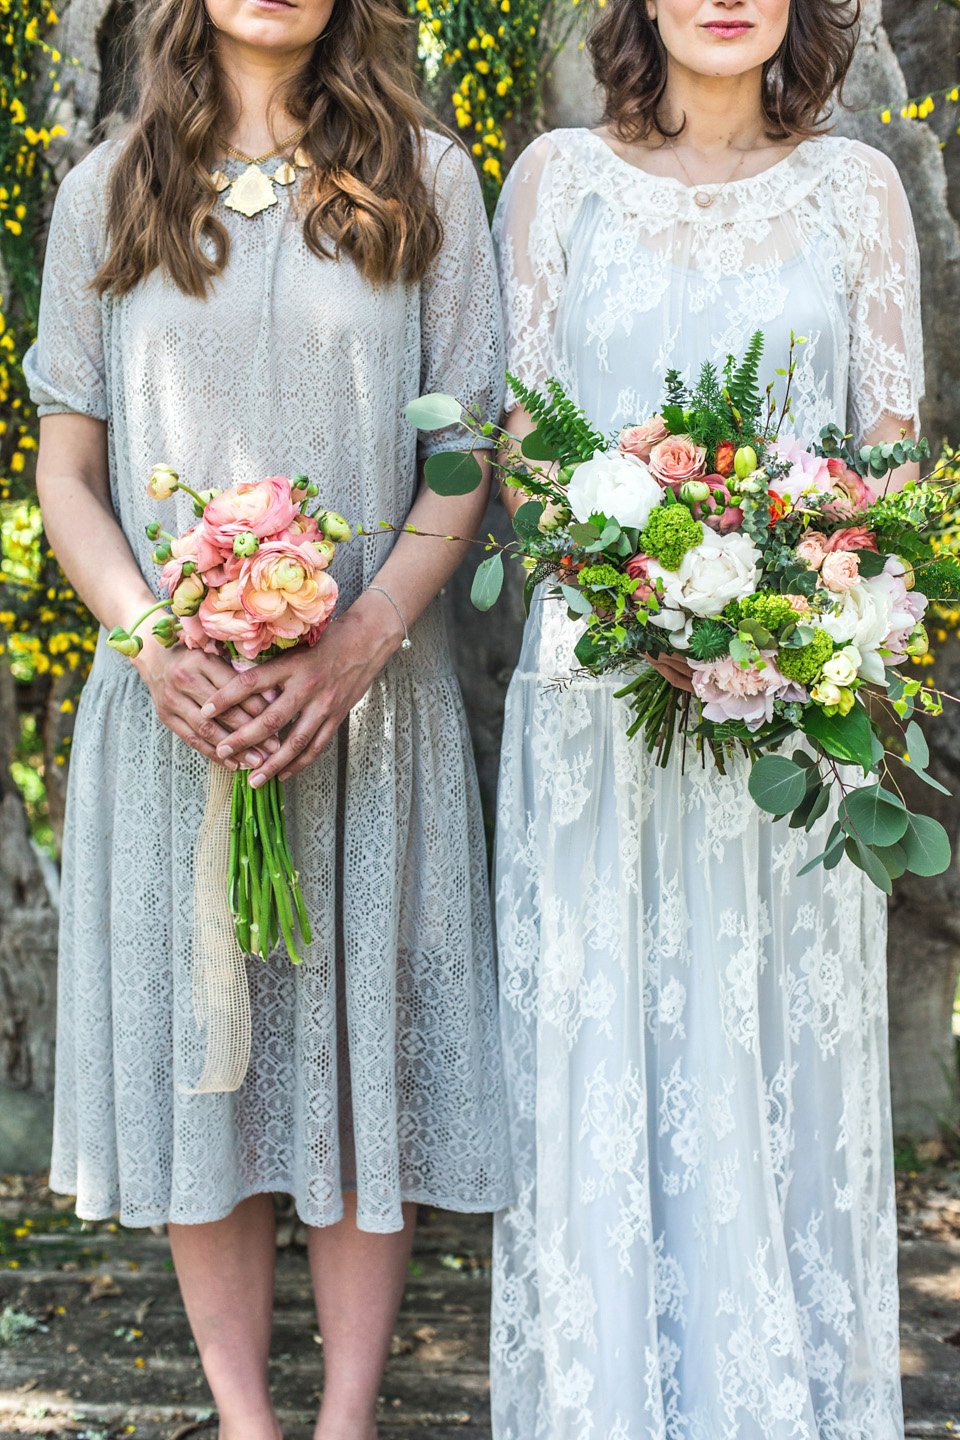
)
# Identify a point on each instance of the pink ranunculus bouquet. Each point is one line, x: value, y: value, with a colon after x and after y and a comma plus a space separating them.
x: 248, y: 580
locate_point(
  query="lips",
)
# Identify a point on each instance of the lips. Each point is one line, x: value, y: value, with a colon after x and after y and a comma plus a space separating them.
x: 728, y: 30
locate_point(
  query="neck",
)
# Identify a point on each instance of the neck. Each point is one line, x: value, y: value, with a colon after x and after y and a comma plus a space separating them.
x: 720, y: 112
x: 256, y: 81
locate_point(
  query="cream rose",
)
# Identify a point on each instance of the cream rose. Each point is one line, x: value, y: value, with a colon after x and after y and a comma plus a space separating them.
x: 841, y: 669
x: 615, y: 485
x: 840, y: 570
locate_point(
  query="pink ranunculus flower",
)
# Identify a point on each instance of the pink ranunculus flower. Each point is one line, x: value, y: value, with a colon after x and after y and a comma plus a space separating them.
x: 677, y: 459
x: 302, y: 530
x: 729, y: 693
x: 264, y: 506
x: 855, y: 537
x: 639, y: 440
x: 840, y: 570
x: 223, y: 617
x: 812, y: 549
x: 850, y: 491
x: 286, y: 590
x: 195, y: 636
x: 720, y: 521
x: 197, y: 545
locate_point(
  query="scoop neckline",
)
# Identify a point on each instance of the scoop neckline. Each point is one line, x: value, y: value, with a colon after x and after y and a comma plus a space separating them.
x: 727, y: 185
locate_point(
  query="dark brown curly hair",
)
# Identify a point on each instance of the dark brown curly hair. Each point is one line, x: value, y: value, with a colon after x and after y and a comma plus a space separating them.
x: 365, y: 137
x: 799, y: 82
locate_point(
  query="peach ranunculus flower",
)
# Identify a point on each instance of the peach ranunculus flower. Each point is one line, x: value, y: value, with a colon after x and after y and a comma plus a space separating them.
x: 264, y: 506
x: 812, y: 548
x: 639, y: 440
x: 286, y: 591
x: 197, y: 545
x: 856, y: 537
x: 222, y: 616
x: 840, y: 570
x: 302, y: 530
x: 677, y: 459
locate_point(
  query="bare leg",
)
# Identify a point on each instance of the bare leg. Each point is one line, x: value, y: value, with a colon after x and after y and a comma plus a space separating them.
x: 225, y: 1270
x: 358, y: 1281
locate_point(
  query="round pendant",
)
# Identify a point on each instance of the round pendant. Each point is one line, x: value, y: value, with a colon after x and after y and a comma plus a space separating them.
x: 704, y: 200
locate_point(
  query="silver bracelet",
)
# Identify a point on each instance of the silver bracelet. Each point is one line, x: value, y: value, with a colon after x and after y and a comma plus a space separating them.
x: 405, y: 642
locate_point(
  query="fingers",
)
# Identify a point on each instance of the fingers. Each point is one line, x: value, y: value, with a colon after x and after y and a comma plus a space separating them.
x: 182, y: 730
x: 241, y: 688
x: 306, y: 740
x: 256, y: 733
x: 232, y: 720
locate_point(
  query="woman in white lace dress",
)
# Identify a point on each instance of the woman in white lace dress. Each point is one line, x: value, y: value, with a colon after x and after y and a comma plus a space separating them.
x: 236, y: 332
x: 705, y: 1244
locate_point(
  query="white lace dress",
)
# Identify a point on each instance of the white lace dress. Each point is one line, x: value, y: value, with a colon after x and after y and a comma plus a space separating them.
x: 705, y: 1244
x: 377, y: 1062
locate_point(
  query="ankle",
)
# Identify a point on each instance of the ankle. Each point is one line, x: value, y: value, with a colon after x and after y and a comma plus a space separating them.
x: 342, y: 1425
x: 242, y: 1424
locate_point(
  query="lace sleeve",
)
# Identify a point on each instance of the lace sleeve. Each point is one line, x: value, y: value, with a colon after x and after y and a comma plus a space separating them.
x: 65, y: 369
x: 461, y: 332
x: 886, y: 339
x: 532, y: 263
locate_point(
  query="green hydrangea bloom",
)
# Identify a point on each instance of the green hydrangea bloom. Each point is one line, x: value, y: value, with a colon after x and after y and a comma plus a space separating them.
x: 593, y: 577
x: 773, y: 611
x: 805, y: 664
x: 671, y: 531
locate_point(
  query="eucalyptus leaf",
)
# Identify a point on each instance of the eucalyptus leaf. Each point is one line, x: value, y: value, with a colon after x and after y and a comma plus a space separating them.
x: 584, y: 534
x: 917, y: 746
x: 527, y: 520
x: 927, y: 846
x: 452, y: 472
x: 845, y: 737
x: 534, y: 447
x: 865, y: 860
x: 434, y: 411
x: 776, y: 784
x: 835, y: 842
x: 576, y: 600
x: 874, y: 815
x: 487, y: 582
x: 819, y: 807
x: 893, y: 858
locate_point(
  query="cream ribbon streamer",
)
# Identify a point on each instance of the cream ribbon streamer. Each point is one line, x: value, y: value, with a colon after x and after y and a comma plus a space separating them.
x: 221, y: 995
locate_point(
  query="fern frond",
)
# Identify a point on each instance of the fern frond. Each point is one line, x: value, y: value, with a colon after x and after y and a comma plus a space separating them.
x: 560, y: 423
x: 743, y: 384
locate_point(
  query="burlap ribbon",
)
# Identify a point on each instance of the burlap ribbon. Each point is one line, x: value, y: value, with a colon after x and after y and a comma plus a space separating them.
x: 221, y: 995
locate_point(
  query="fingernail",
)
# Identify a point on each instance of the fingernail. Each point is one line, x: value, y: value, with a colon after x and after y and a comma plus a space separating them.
x: 225, y: 750
x: 271, y: 746
x: 208, y: 709
x: 253, y: 759
x: 231, y: 765
x: 256, y: 781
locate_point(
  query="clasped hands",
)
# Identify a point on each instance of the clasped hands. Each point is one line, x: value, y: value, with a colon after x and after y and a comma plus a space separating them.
x: 273, y: 719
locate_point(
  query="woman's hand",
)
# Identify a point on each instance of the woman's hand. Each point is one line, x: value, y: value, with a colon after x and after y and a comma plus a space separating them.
x: 672, y: 668
x: 316, y: 687
x: 180, y: 681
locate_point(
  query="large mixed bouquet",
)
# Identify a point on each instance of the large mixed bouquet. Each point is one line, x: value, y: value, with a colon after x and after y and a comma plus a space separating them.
x: 779, y: 568
x: 247, y: 581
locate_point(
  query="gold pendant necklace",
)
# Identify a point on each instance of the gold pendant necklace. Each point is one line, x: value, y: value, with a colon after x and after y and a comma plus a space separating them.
x: 701, y: 197
x: 252, y: 191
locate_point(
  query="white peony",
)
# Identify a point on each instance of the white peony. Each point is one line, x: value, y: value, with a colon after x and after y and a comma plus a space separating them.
x: 615, y: 485
x: 862, y: 617
x: 720, y: 569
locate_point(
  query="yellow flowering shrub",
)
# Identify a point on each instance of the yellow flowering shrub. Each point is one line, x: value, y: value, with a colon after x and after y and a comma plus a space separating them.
x: 486, y: 60
x: 44, y: 629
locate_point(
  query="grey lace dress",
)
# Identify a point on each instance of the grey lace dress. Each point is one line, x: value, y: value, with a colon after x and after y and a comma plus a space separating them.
x: 376, y: 1065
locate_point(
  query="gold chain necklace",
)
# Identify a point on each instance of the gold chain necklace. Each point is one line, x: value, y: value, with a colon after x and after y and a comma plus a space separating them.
x: 701, y: 197
x: 252, y: 191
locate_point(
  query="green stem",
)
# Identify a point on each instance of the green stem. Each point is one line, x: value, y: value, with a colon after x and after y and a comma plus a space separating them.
x: 199, y: 500
x: 160, y: 605
x: 284, y: 907
x: 280, y: 819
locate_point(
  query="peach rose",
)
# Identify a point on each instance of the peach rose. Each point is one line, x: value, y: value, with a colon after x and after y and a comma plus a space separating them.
x: 856, y: 537
x: 677, y: 459
x: 639, y: 569
x: 266, y: 507
x: 840, y: 570
x: 812, y: 549
x: 639, y: 440
x: 799, y: 604
x: 726, y: 453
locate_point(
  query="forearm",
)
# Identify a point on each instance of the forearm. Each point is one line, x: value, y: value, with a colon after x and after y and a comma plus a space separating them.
x: 74, y: 492
x: 419, y: 566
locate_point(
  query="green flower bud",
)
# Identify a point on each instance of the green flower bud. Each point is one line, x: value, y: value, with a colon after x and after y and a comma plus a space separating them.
x: 162, y: 554
x: 167, y: 632
x: 325, y: 549
x: 245, y: 544
x: 313, y: 491
x: 162, y: 482
x: 154, y: 529
x: 694, y: 492
x: 745, y: 461
x: 334, y: 527
x: 189, y: 566
x: 565, y: 475
x: 299, y: 482
x: 919, y: 641
x: 188, y: 595
x: 118, y: 639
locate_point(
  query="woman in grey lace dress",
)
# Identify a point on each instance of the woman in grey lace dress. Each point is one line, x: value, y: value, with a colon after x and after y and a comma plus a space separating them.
x: 234, y: 332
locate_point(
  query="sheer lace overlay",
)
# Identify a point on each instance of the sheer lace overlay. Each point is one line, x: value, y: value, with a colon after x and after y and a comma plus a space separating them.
x: 377, y: 1062
x: 704, y: 1246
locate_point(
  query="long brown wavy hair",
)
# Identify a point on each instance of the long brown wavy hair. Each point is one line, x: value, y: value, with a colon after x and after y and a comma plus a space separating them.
x: 365, y: 138
x: 630, y: 65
